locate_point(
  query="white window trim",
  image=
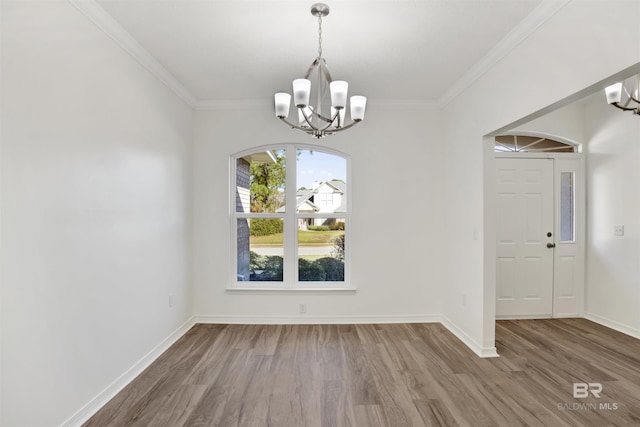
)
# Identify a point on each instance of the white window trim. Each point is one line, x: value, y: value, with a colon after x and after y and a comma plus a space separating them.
x: 290, y: 283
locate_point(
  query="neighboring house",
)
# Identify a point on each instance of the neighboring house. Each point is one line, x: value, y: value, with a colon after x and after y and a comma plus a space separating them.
x: 325, y: 197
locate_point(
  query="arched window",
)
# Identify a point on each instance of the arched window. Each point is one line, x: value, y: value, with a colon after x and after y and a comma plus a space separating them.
x: 290, y: 217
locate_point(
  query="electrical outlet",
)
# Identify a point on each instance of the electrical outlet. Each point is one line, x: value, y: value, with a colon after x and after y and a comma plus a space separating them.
x: 618, y: 230
x: 170, y: 300
x: 302, y: 308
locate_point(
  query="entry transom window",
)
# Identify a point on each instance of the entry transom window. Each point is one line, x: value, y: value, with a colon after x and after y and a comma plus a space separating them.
x: 290, y: 218
x: 530, y: 144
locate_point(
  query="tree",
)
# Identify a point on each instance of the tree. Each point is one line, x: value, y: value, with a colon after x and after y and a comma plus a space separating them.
x: 267, y: 182
x: 338, y: 247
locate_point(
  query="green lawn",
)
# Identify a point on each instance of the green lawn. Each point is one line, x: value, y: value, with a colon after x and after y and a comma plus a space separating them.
x: 304, y: 238
x: 312, y: 257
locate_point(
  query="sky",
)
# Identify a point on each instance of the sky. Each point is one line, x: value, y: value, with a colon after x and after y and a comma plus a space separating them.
x: 318, y: 166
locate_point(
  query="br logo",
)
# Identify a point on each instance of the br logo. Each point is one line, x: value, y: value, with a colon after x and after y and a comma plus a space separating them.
x: 582, y: 390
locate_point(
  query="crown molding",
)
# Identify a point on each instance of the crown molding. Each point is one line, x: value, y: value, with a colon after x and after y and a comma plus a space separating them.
x: 520, y: 32
x: 261, y: 104
x: 114, y: 30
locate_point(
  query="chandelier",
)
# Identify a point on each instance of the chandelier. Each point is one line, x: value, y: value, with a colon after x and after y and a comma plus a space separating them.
x: 614, y: 96
x: 311, y: 118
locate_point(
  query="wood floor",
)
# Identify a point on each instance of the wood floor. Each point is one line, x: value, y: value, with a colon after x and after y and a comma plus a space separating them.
x: 384, y: 375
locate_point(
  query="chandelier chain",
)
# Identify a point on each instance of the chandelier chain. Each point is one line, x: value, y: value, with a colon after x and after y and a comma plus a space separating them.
x: 319, y: 36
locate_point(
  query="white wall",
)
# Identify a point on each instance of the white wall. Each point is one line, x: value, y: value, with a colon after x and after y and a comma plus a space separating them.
x: 397, y: 175
x: 583, y: 43
x: 613, y: 262
x: 95, y: 212
x: 566, y: 123
x: 95, y: 217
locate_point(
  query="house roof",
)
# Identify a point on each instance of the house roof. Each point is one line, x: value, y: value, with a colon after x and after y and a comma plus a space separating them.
x: 260, y: 157
x: 304, y: 195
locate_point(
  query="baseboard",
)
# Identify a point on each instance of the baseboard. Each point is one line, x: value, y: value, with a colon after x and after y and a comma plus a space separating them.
x: 617, y: 326
x: 524, y: 317
x: 481, y: 351
x: 341, y: 320
x: 311, y: 320
x: 567, y: 316
x: 88, y: 410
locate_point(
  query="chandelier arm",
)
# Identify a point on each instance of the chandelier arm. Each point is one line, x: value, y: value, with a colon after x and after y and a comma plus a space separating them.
x: 308, y: 118
x: 350, y: 125
x: 615, y: 104
x: 630, y: 96
x: 314, y: 64
x: 322, y: 65
x: 293, y: 126
x: 330, y: 123
x: 320, y: 116
x: 325, y: 69
x: 323, y: 118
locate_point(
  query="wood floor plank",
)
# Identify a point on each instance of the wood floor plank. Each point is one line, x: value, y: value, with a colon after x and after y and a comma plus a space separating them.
x: 384, y: 375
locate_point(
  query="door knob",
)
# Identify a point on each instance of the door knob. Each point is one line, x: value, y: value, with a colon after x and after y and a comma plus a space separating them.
x: 551, y: 245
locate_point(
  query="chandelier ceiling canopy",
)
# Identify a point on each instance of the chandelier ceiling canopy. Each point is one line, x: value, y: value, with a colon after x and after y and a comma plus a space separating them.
x: 631, y: 103
x: 319, y: 114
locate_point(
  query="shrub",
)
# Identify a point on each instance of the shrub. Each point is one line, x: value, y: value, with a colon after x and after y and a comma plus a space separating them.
x: 318, y: 228
x: 310, y: 271
x: 337, y: 225
x: 333, y: 268
x: 265, y: 226
x: 271, y: 267
x: 256, y: 261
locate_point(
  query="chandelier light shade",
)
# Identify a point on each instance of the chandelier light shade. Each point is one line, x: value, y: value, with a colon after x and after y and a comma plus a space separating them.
x: 283, y: 101
x: 328, y: 95
x: 615, y: 93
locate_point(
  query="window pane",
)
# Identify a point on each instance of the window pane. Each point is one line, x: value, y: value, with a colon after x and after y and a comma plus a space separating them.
x: 566, y: 207
x: 260, y: 182
x: 321, y: 181
x: 321, y: 249
x: 260, y: 249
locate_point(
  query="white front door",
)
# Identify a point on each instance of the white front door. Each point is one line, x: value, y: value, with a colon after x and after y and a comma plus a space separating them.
x: 525, y: 226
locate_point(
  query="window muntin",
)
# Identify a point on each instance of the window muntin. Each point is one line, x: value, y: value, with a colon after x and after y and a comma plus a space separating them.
x: 530, y: 144
x: 307, y: 249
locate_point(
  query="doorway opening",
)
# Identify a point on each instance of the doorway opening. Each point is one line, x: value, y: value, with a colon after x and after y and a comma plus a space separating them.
x: 539, y: 227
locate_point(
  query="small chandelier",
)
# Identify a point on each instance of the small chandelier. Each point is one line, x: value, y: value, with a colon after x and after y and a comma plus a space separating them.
x: 311, y: 118
x: 614, y: 96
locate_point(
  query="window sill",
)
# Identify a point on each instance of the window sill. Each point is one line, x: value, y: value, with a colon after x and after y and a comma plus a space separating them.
x: 290, y: 291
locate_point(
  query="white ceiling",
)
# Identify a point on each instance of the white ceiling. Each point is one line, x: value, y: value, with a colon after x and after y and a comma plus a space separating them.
x: 387, y: 50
